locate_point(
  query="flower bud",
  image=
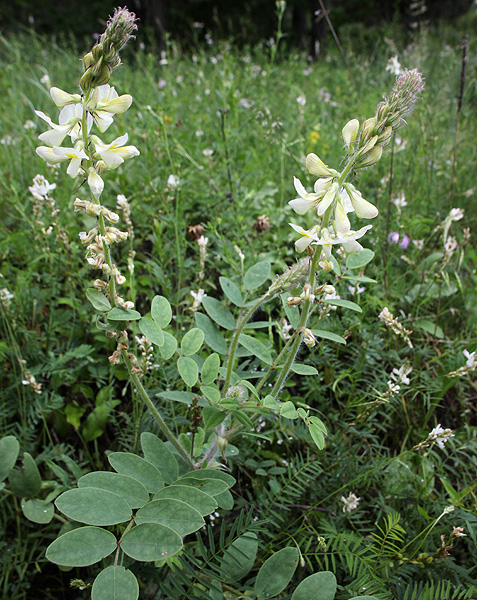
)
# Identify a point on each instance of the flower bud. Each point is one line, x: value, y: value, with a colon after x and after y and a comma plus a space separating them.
x: 371, y: 158
x: 369, y: 145
x: 222, y: 444
x: 326, y: 265
x: 308, y: 337
x: 294, y: 300
x: 385, y: 136
x: 367, y: 130
x: 350, y: 132
x: 88, y: 61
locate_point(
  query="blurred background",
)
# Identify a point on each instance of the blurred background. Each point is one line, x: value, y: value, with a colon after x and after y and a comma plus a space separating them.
x: 186, y: 22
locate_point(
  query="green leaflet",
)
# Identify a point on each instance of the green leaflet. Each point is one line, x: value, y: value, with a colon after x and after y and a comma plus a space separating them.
x: 319, y: 586
x: 115, y: 583
x: 81, y: 547
x: 94, y: 506
x: 150, y: 542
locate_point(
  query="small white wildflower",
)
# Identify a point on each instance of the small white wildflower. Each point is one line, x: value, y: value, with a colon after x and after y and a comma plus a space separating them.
x: 6, y: 297
x: 245, y: 103
x: 387, y: 318
x: 359, y: 289
x: 470, y: 365
x: 350, y: 503
x: 456, y: 214
x: 301, y: 99
x: 451, y: 244
x: 199, y: 133
x: 202, y: 241
x: 41, y: 188
x: 172, y: 182
x: 393, y: 388
x: 45, y: 80
x: 458, y: 532
x: 440, y: 436
x: 285, y: 328
x: 400, y: 202
x: 29, y: 124
x: 394, y: 66
x: 419, y: 244
x: 207, y: 152
x: 401, y: 375
x: 198, y: 296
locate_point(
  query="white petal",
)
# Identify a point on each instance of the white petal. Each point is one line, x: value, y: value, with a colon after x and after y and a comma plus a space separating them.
x: 61, y: 98
x: 44, y: 117
x: 298, y: 229
x: 127, y: 151
x: 74, y: 167
x: 117, y: 105
x: 322, y: 184
x: 300, y: 205
x: 49, y: 156
x: 352, y: 247
x: 302, y: 243
x: 363, y: 208
x: 327, y: 199
x: 120, y: 141
x: 103, y: 120
x: 96, y: 184
x: 53, y: 137
x: 111, y: 158
x: 341, y: 220
x: 300, y: 189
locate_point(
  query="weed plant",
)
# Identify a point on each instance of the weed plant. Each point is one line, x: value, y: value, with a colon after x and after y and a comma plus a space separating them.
x: 385, y: 507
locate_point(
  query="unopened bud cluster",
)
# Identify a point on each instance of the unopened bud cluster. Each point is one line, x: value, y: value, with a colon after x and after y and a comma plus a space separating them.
x: 104, y: 57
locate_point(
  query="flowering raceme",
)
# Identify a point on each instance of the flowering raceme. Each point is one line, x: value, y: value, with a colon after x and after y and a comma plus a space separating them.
x: 333, y: 198
x: 87, y: 155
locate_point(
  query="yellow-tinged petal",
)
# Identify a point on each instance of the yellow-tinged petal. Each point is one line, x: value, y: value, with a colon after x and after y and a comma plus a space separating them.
x: 362, y: 208
x: 96, y: 184
x: 118, y: 105
x: 341, y: 219
x: 61, y: 98
x: 316, y: 166
x: 49, y: 156
x: 350, y: 132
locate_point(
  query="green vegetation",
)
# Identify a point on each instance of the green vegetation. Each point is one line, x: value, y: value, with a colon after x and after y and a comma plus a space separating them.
x: 379, y: 508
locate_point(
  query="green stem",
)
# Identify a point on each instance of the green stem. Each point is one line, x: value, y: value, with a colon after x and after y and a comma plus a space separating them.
x: 303, y: 321
x: 263, y: 380
x: 155, y: 413
x: 235, y: 339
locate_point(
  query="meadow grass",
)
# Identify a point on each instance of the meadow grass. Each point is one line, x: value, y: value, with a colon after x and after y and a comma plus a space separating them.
x: 232, y: 128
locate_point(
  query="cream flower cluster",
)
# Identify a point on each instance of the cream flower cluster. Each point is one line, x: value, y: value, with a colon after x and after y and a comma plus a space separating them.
x: 88, y: 156
x: 332, y: 200
x: 76, y: 118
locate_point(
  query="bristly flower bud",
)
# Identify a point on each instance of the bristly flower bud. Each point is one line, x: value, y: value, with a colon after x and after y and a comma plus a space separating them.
x: 403, y: 97
x: 104, y: 56
x: 291, y: 277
